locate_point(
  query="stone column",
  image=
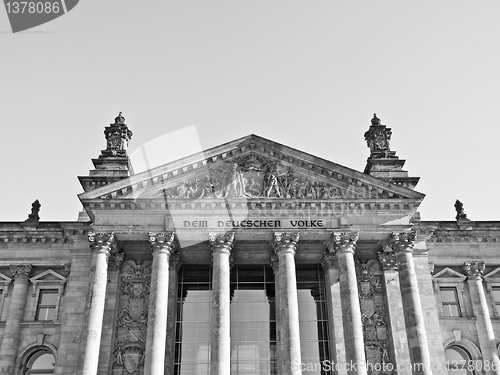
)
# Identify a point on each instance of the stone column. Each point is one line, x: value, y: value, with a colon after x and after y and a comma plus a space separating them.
x: 175, y: 265
x: 344, y: 244
x: 337, y: 347
x: 274, y: 260
x: 402, y: 245
x: 221, y: 245
x: 12, y: 332
x: 397, y: 329
x: 162, y: 245
x: 110, y: 310
x: 487, y: 341
x: 102, y: 245
x: 285, y: 246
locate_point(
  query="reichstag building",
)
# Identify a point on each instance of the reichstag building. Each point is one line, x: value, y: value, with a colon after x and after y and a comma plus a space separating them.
x: 250, y: 258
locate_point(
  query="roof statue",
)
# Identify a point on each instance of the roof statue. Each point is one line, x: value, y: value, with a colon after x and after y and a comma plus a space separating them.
x: 35, y: 209
x: 459, y: 207
x: 117, y: 138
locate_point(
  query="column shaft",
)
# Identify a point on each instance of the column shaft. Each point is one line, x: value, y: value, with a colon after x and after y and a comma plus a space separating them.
x: 175, y: 264
x: 12, y: 332
x: 102, y: 243
x: 485, y: 332
x: 162, y: 245
x: 418, y: 346
x: 220, y: 350
x: 344, y: 244
x: 397, y: 329
x: 285, y: 245
x: 337, y: 345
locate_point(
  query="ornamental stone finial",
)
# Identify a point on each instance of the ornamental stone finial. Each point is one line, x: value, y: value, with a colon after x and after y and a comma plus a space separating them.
x: 120, y: 120
x: 402, y: 241
x: 344, y: 242
x: 221, y: 241
x: 21, y: 272
x: 387, y: 260
x: 474, y: 270
x: 285, y: 241
x: 375, y: 120
x: 102, y: 242
x: 162, y: 242
x: 118, y: 137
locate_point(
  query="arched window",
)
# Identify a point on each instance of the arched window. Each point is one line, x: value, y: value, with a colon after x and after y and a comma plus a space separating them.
x: 458, y: 361
x: 40, y: 362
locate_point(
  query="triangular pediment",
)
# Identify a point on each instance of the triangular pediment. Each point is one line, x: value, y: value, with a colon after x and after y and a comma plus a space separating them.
x: 448, y: 273
x: 252, y: 167
x: 495, y: 274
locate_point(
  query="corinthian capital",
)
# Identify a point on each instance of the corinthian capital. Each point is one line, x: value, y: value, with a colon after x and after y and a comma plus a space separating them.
x: 221, y: 241
x: 21, y: 272
x: 344, y: 242
x: 387, y: 260
x: 284, y: 241
x: 162, y: 242
x: 474, y: 270
x: 402, y: 241
x: 102, y: 242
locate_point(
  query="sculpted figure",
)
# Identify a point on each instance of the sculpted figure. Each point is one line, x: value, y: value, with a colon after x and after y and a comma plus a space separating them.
x: 182, y: 190
x: 208, y: 188
x: 235, y: 185
x: 302, y: 193
x: 272, y: 183
x: 194, y: 189
x: 459, y: 207
x: 291, y: 190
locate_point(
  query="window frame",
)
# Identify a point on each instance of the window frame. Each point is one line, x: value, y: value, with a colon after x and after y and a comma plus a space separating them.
x: 492, y: 281
x: 39, y: 284
x: 448, y: 278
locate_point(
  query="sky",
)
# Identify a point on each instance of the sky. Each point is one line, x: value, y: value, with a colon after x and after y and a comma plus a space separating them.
x: 307, y: 74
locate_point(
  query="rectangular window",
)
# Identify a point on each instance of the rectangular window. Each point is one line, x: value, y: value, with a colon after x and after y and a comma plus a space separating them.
x: 47, y: 304
x: 449, y: 299
x: 496, y: 297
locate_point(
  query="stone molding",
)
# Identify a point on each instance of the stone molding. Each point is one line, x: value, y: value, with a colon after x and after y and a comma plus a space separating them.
x: 21, y: 272
x: 344, y: 242
x: 474, y: 270
x: 162, y: 242
x: 102, y: 242
x: 402, y: 241
x: 223, y: 242
x: 285, y: 242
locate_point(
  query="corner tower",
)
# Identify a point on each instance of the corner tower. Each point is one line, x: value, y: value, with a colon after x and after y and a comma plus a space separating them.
x: 383, y: 163
x: 113, y: 164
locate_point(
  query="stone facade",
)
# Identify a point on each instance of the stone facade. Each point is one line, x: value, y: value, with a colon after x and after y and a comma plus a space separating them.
x: 111, y: 293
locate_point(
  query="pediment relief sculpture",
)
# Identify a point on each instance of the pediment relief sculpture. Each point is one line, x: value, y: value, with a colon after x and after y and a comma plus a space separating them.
x: 252, y: 176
